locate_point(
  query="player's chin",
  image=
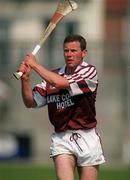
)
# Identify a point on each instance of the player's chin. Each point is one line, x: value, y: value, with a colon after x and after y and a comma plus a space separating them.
x: 70, y: 64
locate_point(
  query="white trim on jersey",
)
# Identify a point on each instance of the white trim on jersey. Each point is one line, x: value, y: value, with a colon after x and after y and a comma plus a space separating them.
x: 40, y: 100
x: 91, y: 84
x: 74, y: 89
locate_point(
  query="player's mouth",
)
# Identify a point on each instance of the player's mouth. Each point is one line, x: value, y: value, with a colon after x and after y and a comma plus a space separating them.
x: 70, y: 60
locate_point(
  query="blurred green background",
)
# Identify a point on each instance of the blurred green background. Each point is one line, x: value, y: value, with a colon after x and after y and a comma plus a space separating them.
x: 40, y: 172
x: 25, y: 133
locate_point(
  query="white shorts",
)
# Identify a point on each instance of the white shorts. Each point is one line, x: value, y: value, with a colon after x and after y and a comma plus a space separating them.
x: 85, y: 145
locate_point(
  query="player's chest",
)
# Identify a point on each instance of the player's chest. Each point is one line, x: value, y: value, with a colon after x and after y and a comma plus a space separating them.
x: 61, y: 100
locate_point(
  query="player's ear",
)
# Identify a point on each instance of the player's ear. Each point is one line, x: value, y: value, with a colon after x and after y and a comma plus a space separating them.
x: 84, y: 53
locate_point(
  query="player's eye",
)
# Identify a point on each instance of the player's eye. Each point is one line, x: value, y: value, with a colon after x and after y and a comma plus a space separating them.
x: 70, y: 50
x: 73, y: 50
x: 66, y: 50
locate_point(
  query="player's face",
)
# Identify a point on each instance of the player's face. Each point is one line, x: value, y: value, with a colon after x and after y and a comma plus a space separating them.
x: 73, y: 54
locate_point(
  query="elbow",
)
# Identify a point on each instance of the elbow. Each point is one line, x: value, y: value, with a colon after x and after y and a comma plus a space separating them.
x: 29, y: 105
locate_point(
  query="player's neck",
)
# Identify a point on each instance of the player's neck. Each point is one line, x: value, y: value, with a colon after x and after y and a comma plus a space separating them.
x: 69, y: 71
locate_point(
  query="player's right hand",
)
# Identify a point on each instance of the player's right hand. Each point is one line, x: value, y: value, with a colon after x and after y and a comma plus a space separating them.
x: 25, y: 69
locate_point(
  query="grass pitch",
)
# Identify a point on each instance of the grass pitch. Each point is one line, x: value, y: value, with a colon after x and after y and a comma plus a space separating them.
x: 28, y: 172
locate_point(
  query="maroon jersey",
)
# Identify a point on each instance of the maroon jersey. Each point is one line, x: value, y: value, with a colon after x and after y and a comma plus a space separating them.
x: 72, y: 108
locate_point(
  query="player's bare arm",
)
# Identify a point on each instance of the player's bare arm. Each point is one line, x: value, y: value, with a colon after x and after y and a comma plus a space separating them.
x: 59, y: 82
x: 27, y: 93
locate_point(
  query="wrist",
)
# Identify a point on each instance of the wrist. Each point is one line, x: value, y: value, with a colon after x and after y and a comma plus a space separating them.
x: 34, y: 66
x: 25, y: 78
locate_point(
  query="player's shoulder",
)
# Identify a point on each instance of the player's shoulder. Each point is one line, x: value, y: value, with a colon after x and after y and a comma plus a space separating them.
x: 86, y: 67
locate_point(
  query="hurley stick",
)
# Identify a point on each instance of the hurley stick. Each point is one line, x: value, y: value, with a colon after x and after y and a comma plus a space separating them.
x: 63, y: 8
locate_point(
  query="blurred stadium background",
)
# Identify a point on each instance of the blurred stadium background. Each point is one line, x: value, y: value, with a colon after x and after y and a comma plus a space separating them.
x: 25, y: 133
